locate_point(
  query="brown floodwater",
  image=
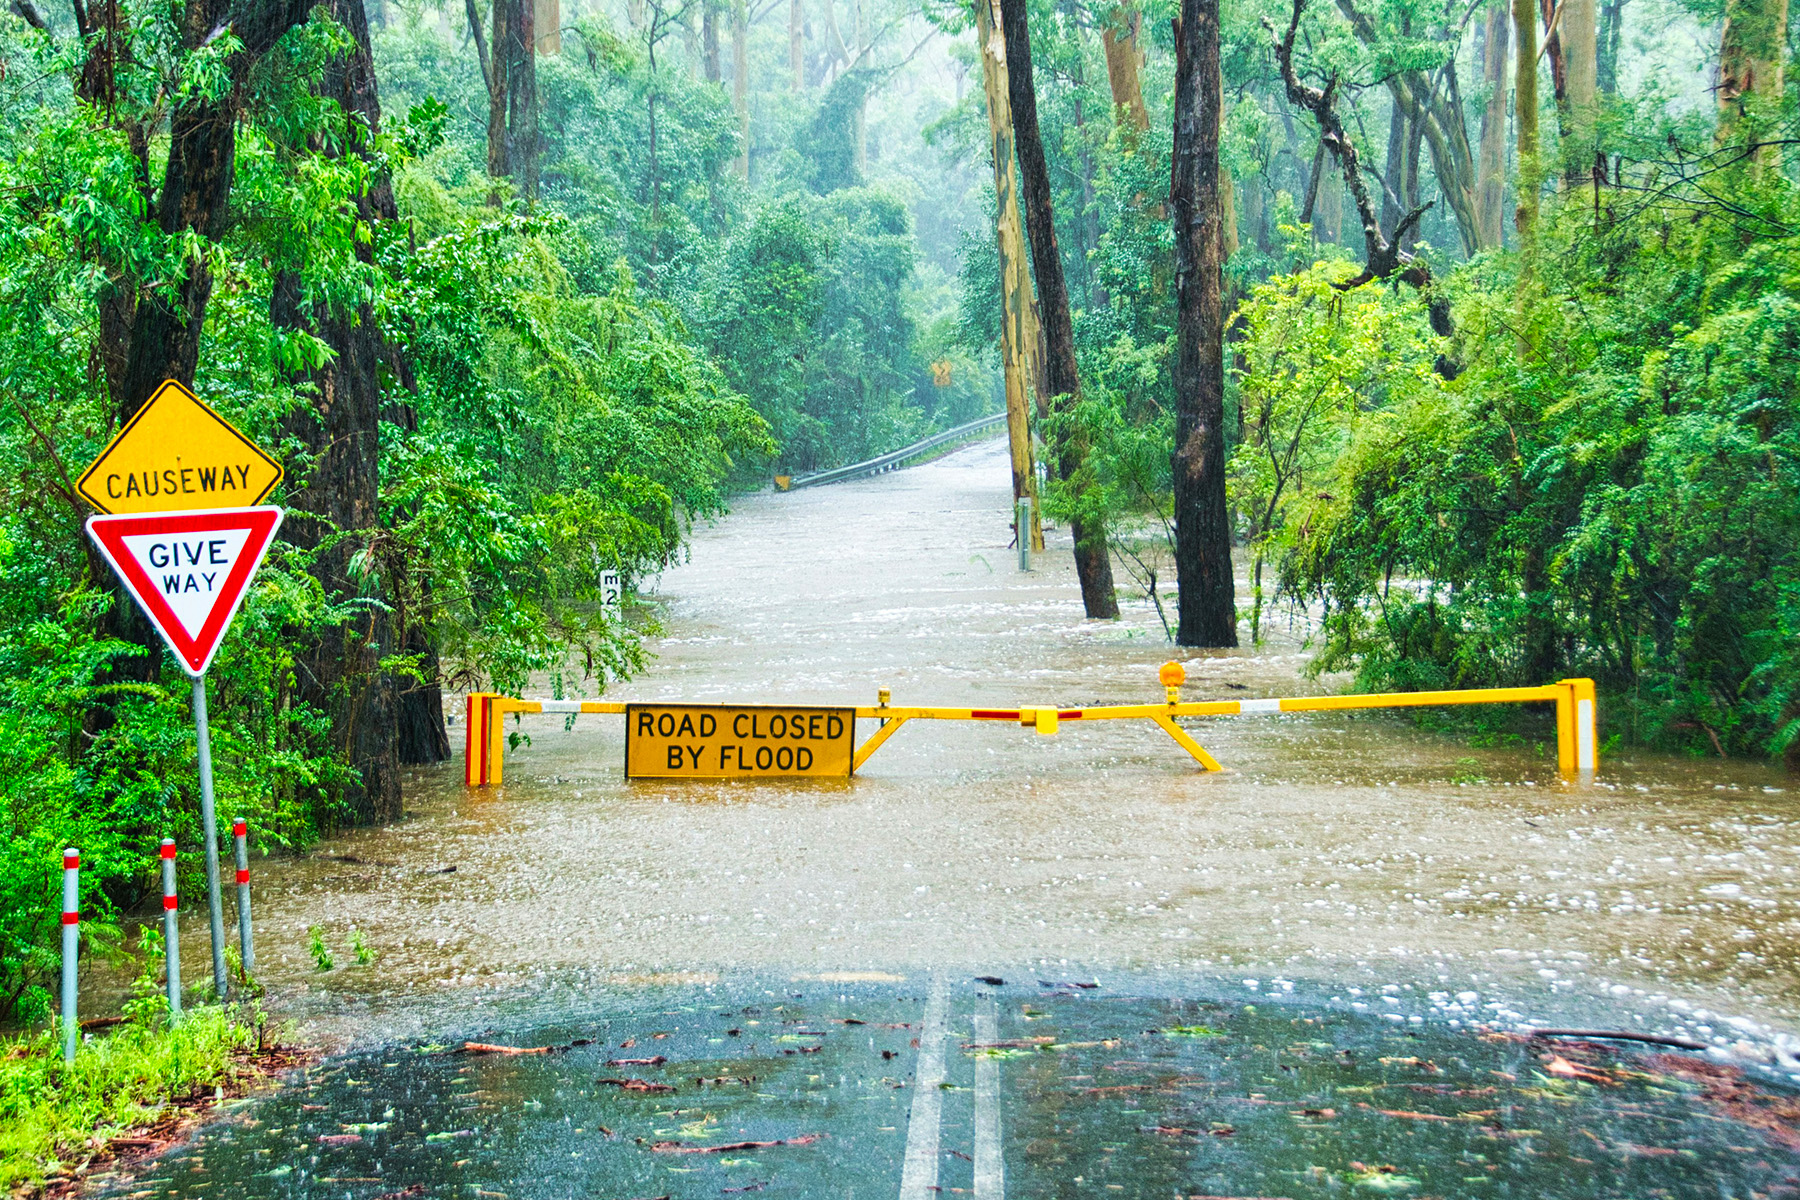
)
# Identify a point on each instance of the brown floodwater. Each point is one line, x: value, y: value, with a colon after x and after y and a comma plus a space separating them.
x: 1386, y: 867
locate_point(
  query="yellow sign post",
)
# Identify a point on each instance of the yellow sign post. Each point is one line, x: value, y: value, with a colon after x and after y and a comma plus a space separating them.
x: 716, y: 741
x: 178, y: 455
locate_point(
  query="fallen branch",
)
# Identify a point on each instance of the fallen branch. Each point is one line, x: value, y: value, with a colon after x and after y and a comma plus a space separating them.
x: 805, y: 1139
x: 485, y: 1048
x: 657, y: 1061
x: 635, y: 1085
x: 1654, y: 1039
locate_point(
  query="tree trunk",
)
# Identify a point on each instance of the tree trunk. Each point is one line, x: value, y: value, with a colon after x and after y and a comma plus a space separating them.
x: 797, y: 44
x: 547, y: 20
x: 1207, y: 592
x: 1328, y: 212
x: 835, y: 50
x: 334, y: 485
x: 1579, y: 65
x: 1612, y: 28
x: 1752, y: 49
x: 1061, y: 378
x: 1124, y: 64
x: 494, y: 74
x: 1393, y: 172
x: 1018, y: 310
x: 740, y: 82
x: 1525, y: 112
x: 1490, y: 187
x: 709, y: 40
x: 522, y: 97
x: 1438, y: 112
x: 1553, y: 54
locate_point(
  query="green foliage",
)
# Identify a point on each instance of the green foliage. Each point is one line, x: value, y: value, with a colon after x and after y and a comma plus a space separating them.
x: 1608, y: 489
x: 321, y: 953
x: 49, y: 1111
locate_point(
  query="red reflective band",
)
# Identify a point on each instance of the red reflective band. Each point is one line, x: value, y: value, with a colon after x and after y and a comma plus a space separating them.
x: 1073, y: 714
x: 994, y: 714
x: 168, y: 851
x: 71, y: 862
x: 73, y: 918
x: 237, y: 829
x: 169, y: 902
x: 243, y: 875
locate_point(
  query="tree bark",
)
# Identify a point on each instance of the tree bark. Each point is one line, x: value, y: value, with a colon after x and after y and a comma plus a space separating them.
x: 1552, y: 53
x: 1124, y: 65
x: 740, y: 82
x: 1612, y: 28
x: 547, y: 20
x: 1580, y: 63
x: 334, y: 501
x: 1062, y: 380
x: 1328, y: 211
x: 522, y: 97
x: 797, y: 44
x: 709, y: 39
x: 1490, y: 187
x: 1437, y: 110
x: 1207, y: 591
x: 1018, y: 309
x: 1752, y: 49
x: 1525, y: 112
x: 499, y: 81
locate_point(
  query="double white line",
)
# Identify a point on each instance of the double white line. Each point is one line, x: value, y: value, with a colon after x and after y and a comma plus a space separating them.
x: 919, y: 1175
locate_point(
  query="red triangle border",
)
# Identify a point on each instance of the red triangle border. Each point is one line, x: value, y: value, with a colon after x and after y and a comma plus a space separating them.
x: 195, y: 654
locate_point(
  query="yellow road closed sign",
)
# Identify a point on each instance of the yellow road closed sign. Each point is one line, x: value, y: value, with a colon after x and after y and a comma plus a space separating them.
x: 716, y: 741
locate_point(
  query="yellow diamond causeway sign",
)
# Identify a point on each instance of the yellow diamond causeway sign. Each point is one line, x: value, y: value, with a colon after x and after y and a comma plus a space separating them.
x: 178, y: 454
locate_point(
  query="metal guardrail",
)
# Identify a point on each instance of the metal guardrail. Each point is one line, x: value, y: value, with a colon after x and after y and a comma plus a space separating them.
x: 896, y: 459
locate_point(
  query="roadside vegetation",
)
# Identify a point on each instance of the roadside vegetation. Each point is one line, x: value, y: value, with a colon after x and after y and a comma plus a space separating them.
x: 143, y: 1079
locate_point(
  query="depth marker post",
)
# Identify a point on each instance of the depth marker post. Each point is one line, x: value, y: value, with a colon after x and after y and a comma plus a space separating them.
x: 240, y: 835
x: 71, y: 923
x: 1022, y: 517
x: 171, y: 930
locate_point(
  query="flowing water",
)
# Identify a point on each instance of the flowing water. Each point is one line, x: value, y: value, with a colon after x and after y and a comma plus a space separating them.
x: 1355, y: 919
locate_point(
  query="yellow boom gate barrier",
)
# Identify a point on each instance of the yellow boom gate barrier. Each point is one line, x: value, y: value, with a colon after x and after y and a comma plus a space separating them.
x: 713, y: 741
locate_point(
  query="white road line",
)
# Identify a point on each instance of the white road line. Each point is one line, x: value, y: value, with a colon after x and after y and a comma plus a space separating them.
x: 990, y: 1163
x: 918, y: 1179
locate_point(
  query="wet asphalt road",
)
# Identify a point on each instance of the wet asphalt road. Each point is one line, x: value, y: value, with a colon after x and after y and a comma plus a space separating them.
x: 1354, y: 897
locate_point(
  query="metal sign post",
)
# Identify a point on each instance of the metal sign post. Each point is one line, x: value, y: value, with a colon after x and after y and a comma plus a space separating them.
x: 209, y: 829
x: 184, y: 529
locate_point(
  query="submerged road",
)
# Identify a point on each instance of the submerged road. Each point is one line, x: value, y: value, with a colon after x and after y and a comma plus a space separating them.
x: 1310, y: 969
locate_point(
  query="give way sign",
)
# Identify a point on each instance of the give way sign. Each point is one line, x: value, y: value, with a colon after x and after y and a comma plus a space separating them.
x: 188, y: 571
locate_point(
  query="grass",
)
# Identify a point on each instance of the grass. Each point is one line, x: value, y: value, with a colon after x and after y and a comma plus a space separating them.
x: 52, y: 1115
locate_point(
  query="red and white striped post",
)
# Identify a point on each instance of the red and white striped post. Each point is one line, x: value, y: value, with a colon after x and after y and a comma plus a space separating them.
x: 71, y: 923
x: 171, y: 929
x: 240, y: 836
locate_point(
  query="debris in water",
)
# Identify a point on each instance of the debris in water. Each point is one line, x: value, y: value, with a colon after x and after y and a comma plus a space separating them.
x: 805, y: 1139
x: 339, y: 1139
x: 1558, y: 1065
x: 656, y: 1061
x: 991, y: 980
x: 486, y: 1048
x: 635, y: 1085
x: 1654, y: 1039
